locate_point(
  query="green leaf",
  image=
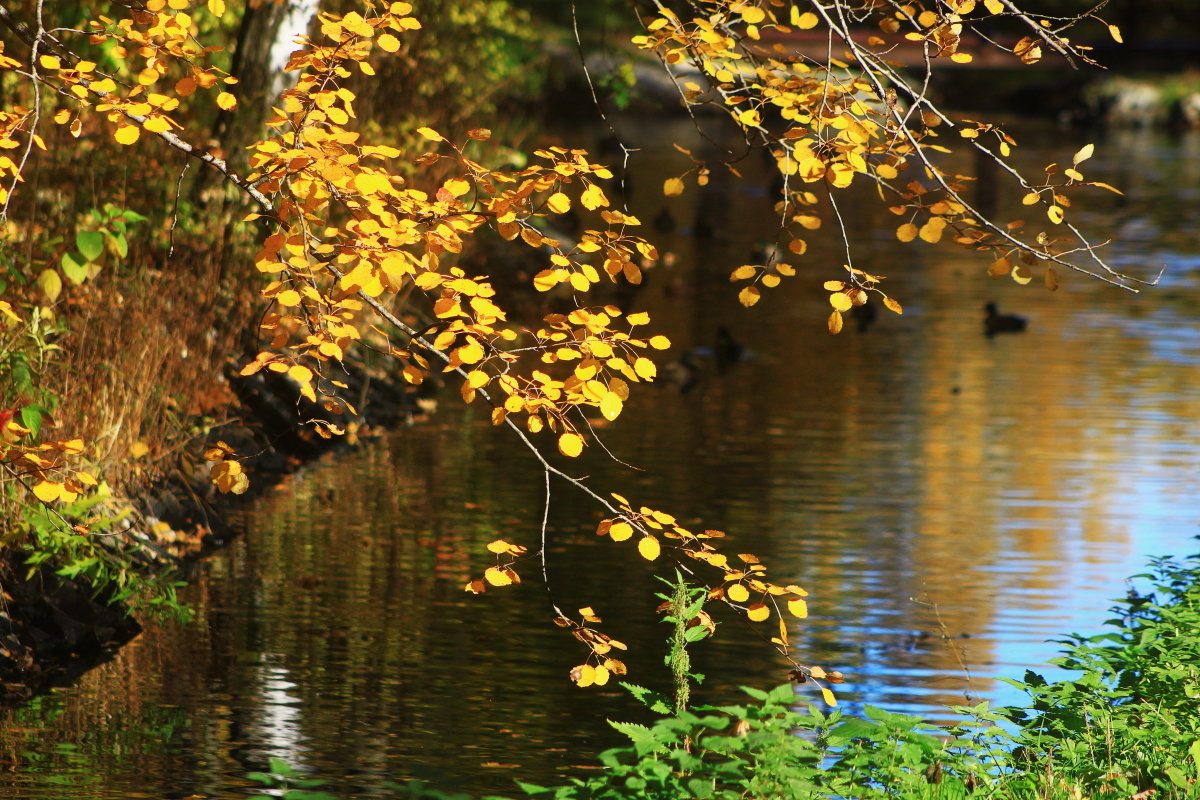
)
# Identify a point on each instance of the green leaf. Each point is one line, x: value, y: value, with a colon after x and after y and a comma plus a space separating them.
x: 32, y: 416
x: 121, y: 244
x: 75, y: 269
x: 90, y: 243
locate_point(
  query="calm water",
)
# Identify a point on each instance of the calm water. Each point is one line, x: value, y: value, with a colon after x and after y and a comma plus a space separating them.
x: 919, y: 479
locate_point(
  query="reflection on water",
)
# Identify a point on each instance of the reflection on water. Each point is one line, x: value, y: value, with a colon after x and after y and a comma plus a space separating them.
x: 950, y: 501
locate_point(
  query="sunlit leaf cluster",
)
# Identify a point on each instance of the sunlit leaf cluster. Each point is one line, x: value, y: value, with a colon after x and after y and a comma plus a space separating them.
x: 853, y: 119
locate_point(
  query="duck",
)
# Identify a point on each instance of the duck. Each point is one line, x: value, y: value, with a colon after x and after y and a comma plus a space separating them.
x: 996, y: 322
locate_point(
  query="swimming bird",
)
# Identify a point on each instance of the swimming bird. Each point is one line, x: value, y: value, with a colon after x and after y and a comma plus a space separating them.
x: 996, y: 322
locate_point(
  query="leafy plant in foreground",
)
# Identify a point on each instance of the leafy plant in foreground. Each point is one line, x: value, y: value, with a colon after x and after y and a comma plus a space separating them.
x: 1130, y: 722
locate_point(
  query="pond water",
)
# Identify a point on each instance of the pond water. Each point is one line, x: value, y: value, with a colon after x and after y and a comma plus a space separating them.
x: 950, y: 501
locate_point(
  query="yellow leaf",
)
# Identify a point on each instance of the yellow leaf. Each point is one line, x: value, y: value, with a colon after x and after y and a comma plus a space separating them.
x: 457, y: 187
x: 610, y: 406
x: 750, y: 117
x: 640, y: 318
x: 559, y: 203
x: 584, y: 675
x: 47, y: 492
x: 217, y: 7
x: 835, y: 322
x: 753, y: 15
x: 620, y: 531
x: 470, y: 353
x: 994, y: 6
x: 906, y: 232
x: 672, y: 187
x: 931, y: 231
x: 226, y: 101
x: 645, y: 368
x: 288, y: 297
x: 1030, y: 199
x: 828, y: 697
x: 1055, y: 213
x: 804, y: 21
x: 138, y: 449
x: 798, y: 607
x: 477, y: 378
x: 749, y: 296
x: 738, y: 593
x: 758, y: 612
x: 600, y: 675
x: 593, y: 198
x: 893, y: 305
x: 430, y: 134
x: 127, y: 134
x: 51, y: 283
x: 744, y: 272
x: 496, y: 576
x: 649, y: 547
x: 841, y: 301
x: 49, y: 62
x: 388, y: 43
x: 1115, y: 32
x: 660, y: 342
x: 1084, y: 154
x: 570, y: 444
x: 498, y: 546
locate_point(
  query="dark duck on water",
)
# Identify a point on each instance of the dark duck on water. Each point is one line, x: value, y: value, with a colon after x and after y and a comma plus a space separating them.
x: 995, y: 322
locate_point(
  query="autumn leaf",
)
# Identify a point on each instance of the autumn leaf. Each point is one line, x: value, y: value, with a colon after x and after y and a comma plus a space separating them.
x: 127, y: 134
x: 620, y: 531
x: 738, y: 593
x: 758, y: 612
x: 570, y: 444
x: 226, y: 101
x: 828, y: 697
x: 611, y: 405
x: 649, y: 548
x: 834, y: 323
x: 559, y: 203
x: 388, y: 43
x: 496, y: 576
x: 672, y: 187
x: 593, y: 198
x: 798, y: 608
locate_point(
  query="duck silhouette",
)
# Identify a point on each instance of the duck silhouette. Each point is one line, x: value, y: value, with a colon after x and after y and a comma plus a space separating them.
x: 995, y: 322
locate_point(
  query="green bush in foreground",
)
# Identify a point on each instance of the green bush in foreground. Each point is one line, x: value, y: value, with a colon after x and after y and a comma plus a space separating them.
x: 1127, y: 727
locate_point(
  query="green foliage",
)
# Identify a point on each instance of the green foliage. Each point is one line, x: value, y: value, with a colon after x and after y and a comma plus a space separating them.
x: 768, y: 749
x: 1130, y: 722
x: 116, y: 571
x: 108, y: 230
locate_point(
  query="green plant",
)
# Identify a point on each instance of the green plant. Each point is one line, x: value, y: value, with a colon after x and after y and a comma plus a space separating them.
x: 289, y: 783
x: 109, y: 229
x: 115, y: 571
x: 1130, y: 722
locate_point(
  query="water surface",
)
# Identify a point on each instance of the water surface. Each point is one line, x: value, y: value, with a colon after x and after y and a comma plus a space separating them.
x: 950, y: 501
